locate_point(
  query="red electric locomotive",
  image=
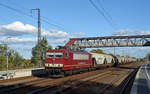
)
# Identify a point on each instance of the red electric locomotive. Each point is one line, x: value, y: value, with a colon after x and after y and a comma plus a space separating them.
x: 60, y: 62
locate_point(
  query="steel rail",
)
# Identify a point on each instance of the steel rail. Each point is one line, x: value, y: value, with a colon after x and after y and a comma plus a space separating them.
x: 22, y: 85
x: 76, y: 82
x: 128, y: 81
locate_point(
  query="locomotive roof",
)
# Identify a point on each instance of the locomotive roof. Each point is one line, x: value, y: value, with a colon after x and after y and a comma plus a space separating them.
x: 62, y: 50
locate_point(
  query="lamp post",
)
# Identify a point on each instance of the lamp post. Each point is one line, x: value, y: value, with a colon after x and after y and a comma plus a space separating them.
x: 7, y: 54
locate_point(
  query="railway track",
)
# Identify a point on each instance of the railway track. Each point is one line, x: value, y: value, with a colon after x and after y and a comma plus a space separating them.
x: 101, y: 88
x: 15, y: 87
x: 67, y: 85
x: 103, y: 80
x: 25, y: 87
x: 125, y: 86
x: 121, y: 88
x: 70, y: 86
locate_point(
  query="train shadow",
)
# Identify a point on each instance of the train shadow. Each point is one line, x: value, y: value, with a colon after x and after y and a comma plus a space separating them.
x: 40, y: 73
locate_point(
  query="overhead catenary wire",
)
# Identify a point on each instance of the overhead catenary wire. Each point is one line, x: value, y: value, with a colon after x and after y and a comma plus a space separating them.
x: 16, y: 10
x: 47, y: 19
x: 26, y: 14
x: 102, y: 13
x: 104, y: 10
x: 20, y: 6
x: 17, y: 5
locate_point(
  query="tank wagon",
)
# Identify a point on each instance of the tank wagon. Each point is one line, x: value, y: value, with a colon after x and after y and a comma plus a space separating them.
x: 120, y: 59
x: 102, y: 60
x: 60, y: 62
x: 124, y: 60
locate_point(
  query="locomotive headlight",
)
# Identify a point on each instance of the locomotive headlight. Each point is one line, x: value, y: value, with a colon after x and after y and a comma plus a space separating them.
x: 54, y: 65
x: 50, y: 65
x: 46, y: 65
x: 61, y: 65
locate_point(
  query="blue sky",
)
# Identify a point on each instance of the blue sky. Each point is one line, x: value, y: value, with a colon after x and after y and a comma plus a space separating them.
x: 78, y: 18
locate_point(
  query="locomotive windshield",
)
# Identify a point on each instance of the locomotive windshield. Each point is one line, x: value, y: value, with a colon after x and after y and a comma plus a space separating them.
x: 58, y: 55
x: 50, y: 55
x: 54, y: 55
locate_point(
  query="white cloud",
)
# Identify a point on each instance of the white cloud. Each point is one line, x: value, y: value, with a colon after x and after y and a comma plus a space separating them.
x: 55, y: 34
x: 18, y: 29
x: 78, y: 34
x: 17, y: 40
x: 130, y: 32
x: 59, y: 41
x: 22, y: 40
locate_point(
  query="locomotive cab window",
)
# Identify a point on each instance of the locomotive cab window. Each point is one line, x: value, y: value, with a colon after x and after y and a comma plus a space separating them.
x: 58, y: 55
x: 50, y: 55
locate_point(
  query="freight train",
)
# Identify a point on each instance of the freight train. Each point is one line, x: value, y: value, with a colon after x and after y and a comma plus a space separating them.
x: 62, y: 62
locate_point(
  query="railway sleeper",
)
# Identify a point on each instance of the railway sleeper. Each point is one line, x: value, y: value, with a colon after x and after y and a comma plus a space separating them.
x: 67, y: 86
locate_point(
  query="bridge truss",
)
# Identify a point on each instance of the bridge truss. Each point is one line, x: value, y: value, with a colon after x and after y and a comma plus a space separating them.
x: 110, y: 41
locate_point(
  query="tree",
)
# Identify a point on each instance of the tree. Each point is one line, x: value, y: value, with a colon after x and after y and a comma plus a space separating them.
x: 27, y: 63
x: 35, y: 55
x: 2, y: 57
x: 148, y: 57
x: 49, y: 47
x: 118, y: 55
x: 111, y: 54
x: 39, y: 52
x: 97, y: 51
x: 15, y: 59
